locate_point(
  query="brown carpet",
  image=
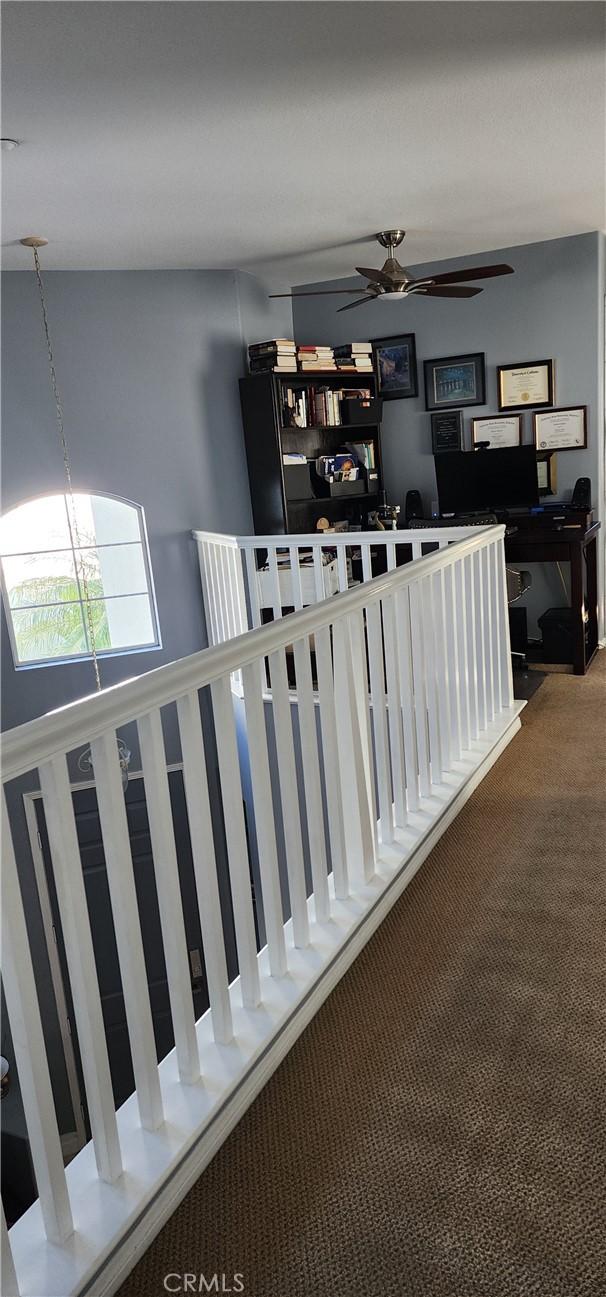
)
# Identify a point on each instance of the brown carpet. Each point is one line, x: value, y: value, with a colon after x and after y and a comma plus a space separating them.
x: 439, y: 1130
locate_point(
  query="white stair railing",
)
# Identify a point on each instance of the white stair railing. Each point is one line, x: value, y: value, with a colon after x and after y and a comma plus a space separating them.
x: 244, y: 578
x: 403, y: 701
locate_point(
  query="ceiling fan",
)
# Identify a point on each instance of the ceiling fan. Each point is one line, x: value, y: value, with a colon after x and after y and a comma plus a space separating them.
x: 392, y: 282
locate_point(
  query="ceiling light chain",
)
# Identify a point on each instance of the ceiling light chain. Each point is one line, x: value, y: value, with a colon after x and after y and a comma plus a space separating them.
x: 73, y: 521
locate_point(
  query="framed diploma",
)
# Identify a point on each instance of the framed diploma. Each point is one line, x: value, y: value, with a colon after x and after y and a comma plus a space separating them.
x: 525, y: 385
x: 446, y: 430
x: 499, y: 430
x: 563, y: 429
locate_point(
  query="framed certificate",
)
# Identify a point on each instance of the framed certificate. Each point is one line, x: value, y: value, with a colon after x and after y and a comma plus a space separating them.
x: 563, y: 429
x: 523, y: 385
x: 446, y: 430
x: 498, y: 430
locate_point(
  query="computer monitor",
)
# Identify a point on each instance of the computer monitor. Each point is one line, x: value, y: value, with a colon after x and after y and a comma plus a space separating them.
x: 476, y: 480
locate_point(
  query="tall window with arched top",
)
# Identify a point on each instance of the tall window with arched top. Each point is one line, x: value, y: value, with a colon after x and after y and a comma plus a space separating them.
x: 76, y: 570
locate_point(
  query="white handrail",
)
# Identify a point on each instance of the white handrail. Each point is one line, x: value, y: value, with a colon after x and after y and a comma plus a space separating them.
x: 338, y: 539
x: 79, y: 722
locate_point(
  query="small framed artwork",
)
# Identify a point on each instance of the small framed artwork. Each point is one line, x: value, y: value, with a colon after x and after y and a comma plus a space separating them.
x: 446, y: 430
x: 455, y: 381
x: 547, y: 478
x: 563, y: 429
x: 525, y: 385
x: 498, y: 430
x: 396, y: 366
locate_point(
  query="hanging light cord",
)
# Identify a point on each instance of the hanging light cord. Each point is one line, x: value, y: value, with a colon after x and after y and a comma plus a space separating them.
x: 73, y: 521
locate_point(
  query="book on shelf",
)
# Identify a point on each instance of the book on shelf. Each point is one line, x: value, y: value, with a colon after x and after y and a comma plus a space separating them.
x: 276, y: 355
x: 318, y: 407
x: 274, y: 344
x: 364, y: 452
x: 276, y: 363
x: 353, y: 349
x: 321, y: 367
x: 293, y: 457
x: 353, y: 367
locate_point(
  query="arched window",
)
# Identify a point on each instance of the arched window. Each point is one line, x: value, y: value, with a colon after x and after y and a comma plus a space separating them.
x: 69, y: 564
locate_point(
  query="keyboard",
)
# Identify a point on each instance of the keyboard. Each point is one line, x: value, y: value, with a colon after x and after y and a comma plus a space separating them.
x: 460, y: 520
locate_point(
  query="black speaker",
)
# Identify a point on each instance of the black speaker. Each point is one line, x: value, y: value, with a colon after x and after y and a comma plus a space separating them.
x: 414, y: 505
x: 581, y: 496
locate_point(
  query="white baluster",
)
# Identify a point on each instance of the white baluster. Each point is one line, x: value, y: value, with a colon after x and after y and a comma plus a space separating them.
x: 206, y: 592
x: 311, y: 779
x: 480, y: 640
x: 417, y: 549
x: 460, y: 598
x: 394, y: 714
x: 264, y: 818
x: 166, y: 870
x: 205, y: 867
x: 274, y: 581
x: 379, y: 720
x: 319, y: 573
x: 71, y: 897
x: 390, y: 550
x: 235, y: 835
x: 420, y: 698
x: 239, y: 591
x: 127, y: 927
x: 359, y: 661
x: 405, y: 687
x: 496, y: 622
x: 253, y: 585
x: 503, y: 621
x: 442, y: 665
x: 30, y: 1057
x: 366, y: 554
x: 472, y: 673
x: 488, y: 600
x: 359, y: 829
x: 289, y: 796
x: 431, y: 684
x: 335, y: 796
x: 219, y: 600
x: 452, y: 650
x: 295, y: 576
x: 10, y: 1287
x: 342, y: 567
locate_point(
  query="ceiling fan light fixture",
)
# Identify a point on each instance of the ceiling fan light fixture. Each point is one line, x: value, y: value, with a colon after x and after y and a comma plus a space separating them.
x: 393, y: 282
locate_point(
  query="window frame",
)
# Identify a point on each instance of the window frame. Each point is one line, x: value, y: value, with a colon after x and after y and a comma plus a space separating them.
x: 35, y: 663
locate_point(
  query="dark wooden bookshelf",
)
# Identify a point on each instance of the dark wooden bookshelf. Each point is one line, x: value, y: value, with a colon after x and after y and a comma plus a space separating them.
x: 267, y: 438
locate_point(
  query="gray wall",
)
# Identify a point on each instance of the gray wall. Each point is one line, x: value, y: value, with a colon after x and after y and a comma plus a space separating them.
x: 550, y: 307
x: 148, y: 363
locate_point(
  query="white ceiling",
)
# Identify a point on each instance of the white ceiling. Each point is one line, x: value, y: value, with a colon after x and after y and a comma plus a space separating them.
x: 275, y: 136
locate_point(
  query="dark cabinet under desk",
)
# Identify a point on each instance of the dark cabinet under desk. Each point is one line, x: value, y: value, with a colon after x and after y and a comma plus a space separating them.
x: 268, y: 437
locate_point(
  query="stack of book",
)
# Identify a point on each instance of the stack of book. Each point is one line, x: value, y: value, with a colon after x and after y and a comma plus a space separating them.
x: 311, y: 357
x: 279, y: 354
x: 354, y: 357
x: 324, y: 407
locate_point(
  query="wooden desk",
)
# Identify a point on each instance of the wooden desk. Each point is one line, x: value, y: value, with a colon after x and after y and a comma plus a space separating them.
x: 571, y: 539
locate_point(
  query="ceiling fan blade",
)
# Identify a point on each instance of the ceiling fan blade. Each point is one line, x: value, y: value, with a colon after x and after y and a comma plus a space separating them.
x: 480, y: 272
x: 318, y: 292
x: 361, y: 301
x: 376, y: 276
x: 447, y: 290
